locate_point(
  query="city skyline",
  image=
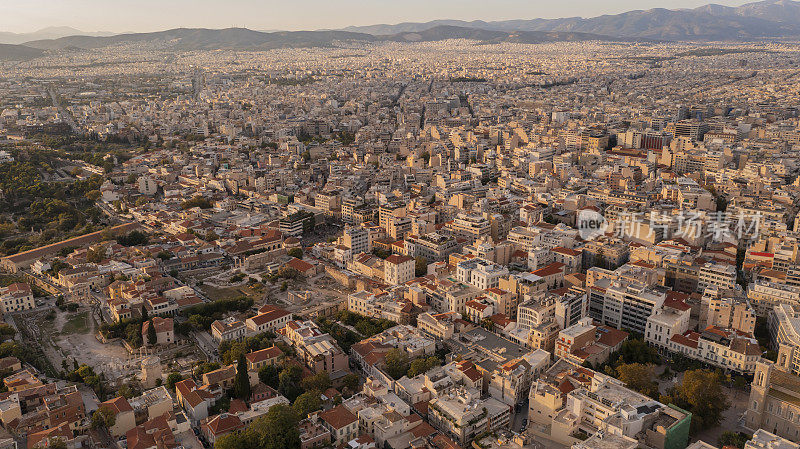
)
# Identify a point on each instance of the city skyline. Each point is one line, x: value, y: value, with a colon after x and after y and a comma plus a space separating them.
x: 127, y: 16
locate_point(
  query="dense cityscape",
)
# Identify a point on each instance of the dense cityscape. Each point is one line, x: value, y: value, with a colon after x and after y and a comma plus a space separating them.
x: 410, y: 244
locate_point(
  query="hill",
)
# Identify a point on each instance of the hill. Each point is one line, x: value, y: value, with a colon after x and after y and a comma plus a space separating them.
x: 9, y: 52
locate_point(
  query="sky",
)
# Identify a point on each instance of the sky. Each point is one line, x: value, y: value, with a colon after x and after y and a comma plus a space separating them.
x: 153, y: 15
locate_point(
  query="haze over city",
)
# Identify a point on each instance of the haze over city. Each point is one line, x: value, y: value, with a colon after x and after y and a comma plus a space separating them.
x: 152, y: 15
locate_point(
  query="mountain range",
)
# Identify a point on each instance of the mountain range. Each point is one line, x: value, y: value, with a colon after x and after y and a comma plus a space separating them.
x: 244, y: 39
x: 763, y: 20
x: 46, y: 33
x: 770, y: 19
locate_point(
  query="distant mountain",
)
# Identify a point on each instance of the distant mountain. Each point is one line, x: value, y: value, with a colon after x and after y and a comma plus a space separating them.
x: 9, y: 52
x: 444, y: 32
x: 244, y: 39
x: 761, y: 20
x: 46, y: 33
x: 208, y: 39
x: 769, y: 19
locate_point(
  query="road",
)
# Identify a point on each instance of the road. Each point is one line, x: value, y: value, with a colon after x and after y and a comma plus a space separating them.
x: 518, y: 416
x: 206, y: 344
x: 65, y: 114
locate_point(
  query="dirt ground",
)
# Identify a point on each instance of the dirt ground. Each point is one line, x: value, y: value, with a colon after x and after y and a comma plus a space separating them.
x: 69, y: 336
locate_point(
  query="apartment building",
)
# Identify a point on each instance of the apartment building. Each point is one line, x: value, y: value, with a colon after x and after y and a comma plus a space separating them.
x: 462, y: 415
x: 470, y: 227
x: 624, y: 305
x: 765, y: 295
x: 398, y: 269
x: 721, y: 275
x: 480, y: 273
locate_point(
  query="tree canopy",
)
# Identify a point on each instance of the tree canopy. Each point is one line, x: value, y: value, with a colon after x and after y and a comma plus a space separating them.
x: 275, y: 430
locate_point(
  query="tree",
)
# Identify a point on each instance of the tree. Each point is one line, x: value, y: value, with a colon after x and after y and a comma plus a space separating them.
x: 211, y: 236
x: 152, y: 337
x: 197, y: 201
x: 289, y: 380
x: 172, y: 379
x: 420, y: 266
x: 295, y: 252
x: 350, y: 381
x: 397, y: 363
x: 241, y: 385
x: 276, y: 430
x: 637, y: 351
x: 129, y: 390
x: 103, y: 417
x: 134, y: 238
x: 734, y: 439
x: 423, y: 365
x: 320, y: 382
x: 95, y: 255
x: 268, y: 374
x: 307, y: 403
x: 701, y: 393
x: 638, y: 377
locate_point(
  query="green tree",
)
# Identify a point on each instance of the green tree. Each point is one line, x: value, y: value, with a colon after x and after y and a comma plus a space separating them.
x: 152, y: 337
x: 289, y: 382
x: 307, y: 403
x: 420, y: 266
x: 103, y: 417
x: 241, y: 385
x: 422, y: 365
x: 296, y: 252
x: 172, y: 379
x: 268, y: 374
x: 701, y: 393
x: 95, y: 255
x: 397, y: 363
x: 276, y: 430
x: 638, y: 377
x: 350, y: 382
x: 197, y: 201
x: 320, y: 382
x: 734, y: 439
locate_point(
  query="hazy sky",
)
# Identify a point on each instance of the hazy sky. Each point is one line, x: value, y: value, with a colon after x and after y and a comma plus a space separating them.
x: 150, y: 15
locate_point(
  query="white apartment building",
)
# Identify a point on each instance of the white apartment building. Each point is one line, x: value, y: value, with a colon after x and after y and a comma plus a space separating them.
x: 462, y: 415
x: 672, y: 319
x: 722, y: 275
x: 470, y: 227
x: 357, y: 239
x: 629, y: 305
x: 480, y: 273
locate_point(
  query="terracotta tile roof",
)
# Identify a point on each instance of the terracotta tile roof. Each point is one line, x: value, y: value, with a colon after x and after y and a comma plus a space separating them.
x: 118, y: 405
x: 338, y: 417
x: 549, y: 270
x: 264, y: 354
